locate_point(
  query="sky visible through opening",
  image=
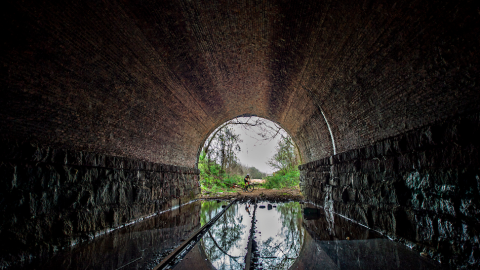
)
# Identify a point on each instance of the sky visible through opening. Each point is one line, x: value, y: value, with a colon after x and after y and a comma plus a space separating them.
x: 255, y: 150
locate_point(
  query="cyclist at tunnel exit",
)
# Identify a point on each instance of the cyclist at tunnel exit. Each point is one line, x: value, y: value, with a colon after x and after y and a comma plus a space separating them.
x: 247, y: 180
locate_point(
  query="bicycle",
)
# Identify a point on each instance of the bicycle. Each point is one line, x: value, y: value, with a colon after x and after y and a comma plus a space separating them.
x: 247, y: 188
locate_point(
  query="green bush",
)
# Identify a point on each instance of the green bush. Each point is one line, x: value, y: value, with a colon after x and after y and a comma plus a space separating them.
x: 282, y: 179
x: 213, y: 179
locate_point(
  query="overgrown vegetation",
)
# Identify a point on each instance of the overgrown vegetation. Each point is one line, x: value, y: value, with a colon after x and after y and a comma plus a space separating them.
x: 219, y: 166
x: 283, y: 179
x: 286, y: 161
x: 213, y: 178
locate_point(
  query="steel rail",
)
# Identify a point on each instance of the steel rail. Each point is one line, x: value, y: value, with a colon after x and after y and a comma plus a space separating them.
x: 195, y: 236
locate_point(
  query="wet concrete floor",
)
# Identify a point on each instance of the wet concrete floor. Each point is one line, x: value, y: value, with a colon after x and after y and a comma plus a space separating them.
x: 288, y: 235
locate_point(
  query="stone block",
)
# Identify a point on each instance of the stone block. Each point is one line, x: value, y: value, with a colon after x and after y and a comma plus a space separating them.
x: 120, y: 164
x: 425, y: 228
x: 415, y: 201
x: 130, y: 164
x: 74, y: 158
x: 446, y: 229
x: 334, y: 181
x: 89, y: 159
x: 67, y: 227
x: 85, y: 221
x: 379, y: 149
x: 470, y: 207
x: 418, y: 181
x: 58, y: 156
x: 446, y: 206
x: 370, y: 152
x: 343, y: 179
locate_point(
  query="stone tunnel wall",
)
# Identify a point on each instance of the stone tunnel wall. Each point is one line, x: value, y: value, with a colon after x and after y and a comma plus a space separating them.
x: 421, y: 188
x: 51, y: 198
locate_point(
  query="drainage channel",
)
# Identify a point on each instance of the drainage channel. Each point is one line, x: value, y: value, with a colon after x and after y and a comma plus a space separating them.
x: 174, y: 258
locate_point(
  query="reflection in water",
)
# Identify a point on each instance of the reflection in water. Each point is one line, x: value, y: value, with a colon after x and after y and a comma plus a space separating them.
x: 210, y: 209
x: 279, y: 234
x: 333, y: 242
x: 285, y: 239
x: 226, y: 241
x: 288, y: 239
x: 330, y: 226
x: 138, y: 246
x: 279, y: 237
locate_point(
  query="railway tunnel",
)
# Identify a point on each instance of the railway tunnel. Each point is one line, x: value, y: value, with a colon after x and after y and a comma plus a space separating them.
x: 105, y: 105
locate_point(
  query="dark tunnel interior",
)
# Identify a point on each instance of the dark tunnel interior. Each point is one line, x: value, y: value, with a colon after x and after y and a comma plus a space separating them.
x: 104, y: 105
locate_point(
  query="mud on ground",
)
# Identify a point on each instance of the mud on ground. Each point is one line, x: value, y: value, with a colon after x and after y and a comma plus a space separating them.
x: 259, y: 193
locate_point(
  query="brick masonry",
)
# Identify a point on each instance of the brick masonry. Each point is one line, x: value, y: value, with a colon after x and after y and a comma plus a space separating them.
x: 421, y: 188
x: 151, y: 80
x: 53, y: 198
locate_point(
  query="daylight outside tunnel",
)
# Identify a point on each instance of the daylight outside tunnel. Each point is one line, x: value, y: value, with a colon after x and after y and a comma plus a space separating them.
x: 105, y: 108
x: 248, y: 149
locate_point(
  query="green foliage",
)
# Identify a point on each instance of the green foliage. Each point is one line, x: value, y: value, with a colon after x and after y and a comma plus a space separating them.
x: 220, y: 168
x: 285, y: 159
x: 213, y: 178
x: 209, y: 210
x: 283, y: 179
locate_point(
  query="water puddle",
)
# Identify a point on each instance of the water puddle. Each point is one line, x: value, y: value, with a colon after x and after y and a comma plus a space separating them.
x: 141, y: 245
x: 279, y: 234
x: 285, y: 235
x: 290, y: 235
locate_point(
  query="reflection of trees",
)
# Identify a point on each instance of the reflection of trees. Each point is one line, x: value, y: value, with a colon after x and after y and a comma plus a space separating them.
x: 281, y: 252
x: 222, y: 242
x: 209, y: 210
x: 225, y: 242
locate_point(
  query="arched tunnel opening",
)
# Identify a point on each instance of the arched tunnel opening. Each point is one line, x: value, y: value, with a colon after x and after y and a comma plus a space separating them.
x: 104, y: 105
x: 248, y: 146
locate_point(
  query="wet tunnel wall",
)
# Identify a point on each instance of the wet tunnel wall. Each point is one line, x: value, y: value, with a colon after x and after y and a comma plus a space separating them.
x: 421, y: 188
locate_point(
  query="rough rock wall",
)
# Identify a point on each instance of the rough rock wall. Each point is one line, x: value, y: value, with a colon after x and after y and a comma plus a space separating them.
x: 421, y: 188
x: 53, y: 198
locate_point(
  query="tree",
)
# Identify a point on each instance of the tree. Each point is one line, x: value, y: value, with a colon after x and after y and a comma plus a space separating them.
x: 218, y: 162
x: 286, y: 158
x: 267, y: 131
x: 222, y: 148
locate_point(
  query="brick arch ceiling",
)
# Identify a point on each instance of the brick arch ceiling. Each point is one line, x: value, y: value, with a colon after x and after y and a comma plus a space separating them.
x: 151, y: 79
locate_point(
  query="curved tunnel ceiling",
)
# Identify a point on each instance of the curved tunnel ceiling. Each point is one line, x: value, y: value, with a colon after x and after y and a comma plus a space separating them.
x: 152, y: 79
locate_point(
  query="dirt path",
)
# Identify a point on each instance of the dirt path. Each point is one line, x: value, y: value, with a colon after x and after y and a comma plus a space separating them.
x: 261, y: 193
